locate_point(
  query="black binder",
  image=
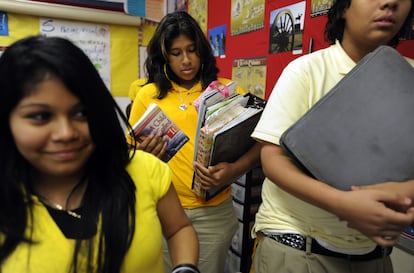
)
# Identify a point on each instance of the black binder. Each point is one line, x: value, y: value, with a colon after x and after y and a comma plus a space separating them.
x: 362, y: 131
x: 232, y: 143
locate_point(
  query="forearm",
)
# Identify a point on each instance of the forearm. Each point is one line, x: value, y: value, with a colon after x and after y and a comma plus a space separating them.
x: 366, y: 210
x: 177, y: 230
x: 279, y: 168
x: 183, y: 247
x: 248, y: 161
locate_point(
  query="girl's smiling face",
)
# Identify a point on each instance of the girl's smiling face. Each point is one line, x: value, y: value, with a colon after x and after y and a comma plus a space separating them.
x: 50, y: 130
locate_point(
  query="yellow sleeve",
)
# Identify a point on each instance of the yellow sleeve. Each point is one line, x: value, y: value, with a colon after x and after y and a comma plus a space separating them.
x: 135, y: 87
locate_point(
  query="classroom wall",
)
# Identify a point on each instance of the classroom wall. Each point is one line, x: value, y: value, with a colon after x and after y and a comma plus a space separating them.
x: 123, y: 47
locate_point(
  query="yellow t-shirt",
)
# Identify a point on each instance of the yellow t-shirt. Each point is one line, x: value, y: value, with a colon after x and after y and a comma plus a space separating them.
x: 54, y: 251
x: 182, y: 162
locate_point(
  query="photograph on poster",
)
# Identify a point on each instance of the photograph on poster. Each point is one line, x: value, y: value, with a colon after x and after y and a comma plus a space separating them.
x: 286, y: 29
x: 320, y: 7
x: 246, y: 16
x: 250, y: 74
x: 217, y: 38
x: 180, y: 5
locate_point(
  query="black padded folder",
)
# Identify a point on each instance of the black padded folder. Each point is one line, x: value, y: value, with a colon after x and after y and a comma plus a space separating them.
x: 362, y: 131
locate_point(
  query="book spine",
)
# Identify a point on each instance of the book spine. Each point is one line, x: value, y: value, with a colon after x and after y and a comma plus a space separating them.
x: 205, y: 143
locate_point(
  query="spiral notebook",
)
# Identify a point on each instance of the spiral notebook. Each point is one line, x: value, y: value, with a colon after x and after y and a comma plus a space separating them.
x: 362, y: 131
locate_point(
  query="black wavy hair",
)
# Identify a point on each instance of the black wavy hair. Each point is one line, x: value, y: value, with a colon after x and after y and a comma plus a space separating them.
x: 171, y: 26
x: 334, y: 29
x: 110, y: 190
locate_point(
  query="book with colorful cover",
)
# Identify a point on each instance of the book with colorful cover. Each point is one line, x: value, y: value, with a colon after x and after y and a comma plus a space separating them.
x: 225, y: 135
x: 210, y: 97
x: 154, y: 120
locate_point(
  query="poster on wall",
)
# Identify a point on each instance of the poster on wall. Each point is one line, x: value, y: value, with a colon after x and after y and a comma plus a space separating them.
x: 198, y: 10
x: 246, y: 16
x: 250, y: 74
x: 217, y: 39
x: 93, y: 39
x: 320, y: 7
x: 153, y: 10
x: 4, y: 24
x: 286, y: 29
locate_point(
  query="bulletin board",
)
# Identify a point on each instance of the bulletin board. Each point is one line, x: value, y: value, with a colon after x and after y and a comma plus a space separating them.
x: 255, y: 43
x: 123, y: 50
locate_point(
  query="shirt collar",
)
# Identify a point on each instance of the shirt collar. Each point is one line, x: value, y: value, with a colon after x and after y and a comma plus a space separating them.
x: 196, y: 87
x: 345, y: 63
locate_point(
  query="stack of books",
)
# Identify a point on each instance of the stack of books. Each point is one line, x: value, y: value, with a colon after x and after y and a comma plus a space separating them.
x: 224, y: 128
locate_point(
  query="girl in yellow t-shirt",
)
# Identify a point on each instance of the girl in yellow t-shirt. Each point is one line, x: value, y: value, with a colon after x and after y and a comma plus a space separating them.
x: 73, y: 197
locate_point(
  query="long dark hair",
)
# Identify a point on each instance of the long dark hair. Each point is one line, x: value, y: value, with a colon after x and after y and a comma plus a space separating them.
x: 110, y: 191
x: 171, y: 26
x: 334, y: 29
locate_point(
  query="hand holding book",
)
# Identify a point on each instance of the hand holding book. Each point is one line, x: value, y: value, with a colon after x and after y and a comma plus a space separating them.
x: 154, y: 143
x: 224, y: 134
x: 155, y: 121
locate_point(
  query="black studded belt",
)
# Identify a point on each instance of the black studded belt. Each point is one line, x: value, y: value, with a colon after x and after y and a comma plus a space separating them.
x: 298, y: 241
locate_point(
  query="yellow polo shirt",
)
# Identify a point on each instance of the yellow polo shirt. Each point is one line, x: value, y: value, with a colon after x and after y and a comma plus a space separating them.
x: 303, y: 82
x: 182, y: 162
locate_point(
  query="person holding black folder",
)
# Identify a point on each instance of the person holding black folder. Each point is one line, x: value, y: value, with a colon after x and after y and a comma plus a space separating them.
x: 180, y: 67
x: 306, y: 225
